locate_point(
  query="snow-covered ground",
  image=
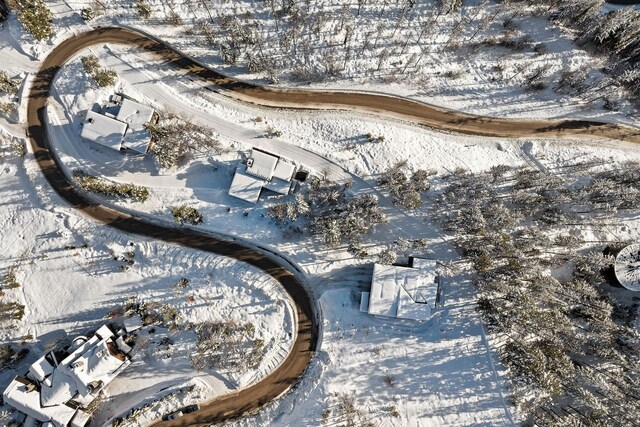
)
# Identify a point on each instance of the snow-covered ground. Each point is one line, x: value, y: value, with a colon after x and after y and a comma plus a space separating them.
x: 74, y: 275
x: 439, y: 373
x: 461, y: 385
x: 435, y: 373
x: 487, y: 80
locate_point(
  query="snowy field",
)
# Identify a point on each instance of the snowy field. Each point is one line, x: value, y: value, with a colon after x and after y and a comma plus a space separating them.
x: 74, y: 275
x: 387, y: 47
x: 467, y: 382
x: 374, y: 371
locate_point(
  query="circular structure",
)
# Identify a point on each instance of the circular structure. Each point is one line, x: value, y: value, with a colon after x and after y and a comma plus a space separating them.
x: 627, y: 267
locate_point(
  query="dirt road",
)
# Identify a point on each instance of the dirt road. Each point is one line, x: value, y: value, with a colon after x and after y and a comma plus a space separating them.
x: 292, y: 368
x: 401, y: 108
x: 305, y: 341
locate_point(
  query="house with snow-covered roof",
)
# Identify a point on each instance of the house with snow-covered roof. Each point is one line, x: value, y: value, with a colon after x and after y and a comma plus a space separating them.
x: 60, y: 384
x: 136, y: 116
x: 262, y: 170
x: 411, y: 292
x: 103, y: 130
x: 124, y: 128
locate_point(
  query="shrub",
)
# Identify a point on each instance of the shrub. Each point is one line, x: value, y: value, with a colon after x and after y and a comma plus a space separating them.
x: 35, y: 17
x: 372, y: 138
x: 100, y: 185
x: 394, y: 411
x: 406, y: 191
x: 387, y: 256
x: 174, y: 19
x: 9, y: 358
x: 184, y: 213
x: 174, y: 140
x: 182, y: 283
x: 225, y: 345
x: 87, y: 14
x: 454, y: 74
x: 6, y: 108
x: 90, y: 63
x: 8, y: 85
x: 335, y: 216
x: 103, y: 77
x: 144, y: 9
x: 9, y: 281
x: 11, y: 311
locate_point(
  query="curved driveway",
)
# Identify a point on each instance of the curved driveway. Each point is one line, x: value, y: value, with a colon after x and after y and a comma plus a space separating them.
x: 252, y: 398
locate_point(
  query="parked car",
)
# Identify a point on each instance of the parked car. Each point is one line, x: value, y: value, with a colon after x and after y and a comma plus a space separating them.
x: 191, y: 408
x: 173, y: 415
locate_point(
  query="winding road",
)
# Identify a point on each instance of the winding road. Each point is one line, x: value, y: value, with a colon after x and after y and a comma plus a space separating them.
x: 252, y: 398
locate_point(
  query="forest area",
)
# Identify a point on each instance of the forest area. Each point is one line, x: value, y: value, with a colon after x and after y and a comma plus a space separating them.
x: 561, y: 324
x: 553, y: 49
x: 403, y: 41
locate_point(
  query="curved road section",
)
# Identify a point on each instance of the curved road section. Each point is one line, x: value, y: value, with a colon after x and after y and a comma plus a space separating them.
x: 412, y: 111
x: 279, y: 381
x: 231, y: 405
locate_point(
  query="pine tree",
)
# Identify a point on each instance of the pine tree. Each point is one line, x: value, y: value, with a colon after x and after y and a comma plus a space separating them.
x: 35, y: 16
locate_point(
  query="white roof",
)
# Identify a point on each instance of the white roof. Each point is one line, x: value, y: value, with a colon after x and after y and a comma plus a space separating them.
x: 383, y: 298
x: 284, y: 170
x: 90, y: 361
x: 364, y: 302
x: 245, y: 187
x: 261, y: 164
x: 404, y: 292
x: 62, y: 389
x: 626, y: 267
x: 95, y: 363
x: 132, y: 324
x: 104, y: 332
x: 263, y: 170
x: 81, y: 419
x: 136, y: 115
x: 40, y: 369
x: 123, y: 345
x: 28, y: 403
x: 278, y: 185
x: 103, y: 130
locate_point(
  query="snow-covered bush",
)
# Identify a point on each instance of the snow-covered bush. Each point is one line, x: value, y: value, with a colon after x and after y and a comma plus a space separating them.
x: 8, y: 85
x: 226, y: 345
x: 406, y: 190
x: 144, y: 9
x: 10, y: 311
x: 11, y: 147
x: 103, y: 77
x: 87, y: 13
x: 184, y: 213
x: 9, y: 357
x: 387, y: 256
x: 556, y: 331
x: 35, y: 16
x: 331, y: 213
x: 173, y: 140
x: 100, y: 185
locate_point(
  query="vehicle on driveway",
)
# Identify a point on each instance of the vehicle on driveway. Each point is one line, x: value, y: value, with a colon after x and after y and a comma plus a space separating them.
x: 173, y: 415
x: 191, y: 408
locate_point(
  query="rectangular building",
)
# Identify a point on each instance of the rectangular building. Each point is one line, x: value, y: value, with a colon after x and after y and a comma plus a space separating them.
x: 404, y: 292
x: 262, y: 170
x: 103, y: 130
